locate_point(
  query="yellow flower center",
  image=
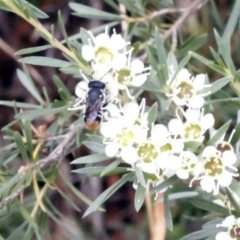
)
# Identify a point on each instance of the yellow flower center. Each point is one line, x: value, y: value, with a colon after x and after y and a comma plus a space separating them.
x: 192, y: 131
x: 148, y: 152
x: 125, y: 137
x: 104, y: 55
x: 187, y: 163
x: 166, y: 147
x: 185, y: 90
x: 123, y: 74
x: 213, y: 166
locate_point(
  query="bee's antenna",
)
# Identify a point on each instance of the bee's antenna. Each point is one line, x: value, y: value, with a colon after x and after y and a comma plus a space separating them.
x: 105, y: 74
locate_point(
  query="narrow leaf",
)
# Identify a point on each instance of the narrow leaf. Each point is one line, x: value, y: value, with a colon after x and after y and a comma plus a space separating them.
x: 32, y: 50
x: 219, y: 133
x: 28, y: 84
x: 92, y: 13
x: 209, y: 206
x: 44, y: 61
x: 139, y: 197
x: 94, y: 158
x: 107, y: 193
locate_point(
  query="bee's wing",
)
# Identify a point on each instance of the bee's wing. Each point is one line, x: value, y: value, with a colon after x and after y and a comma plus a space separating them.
x: 92, y: 110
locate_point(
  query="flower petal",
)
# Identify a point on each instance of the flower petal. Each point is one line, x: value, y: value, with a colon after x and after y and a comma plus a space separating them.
x: 207, y: 184
x: 207, y: 121
x: 137, y: 66
x: 111, y: 150
x: 229, y: 157
x: 87, y: 52
x: 129, y: 155
x: 81, y: 89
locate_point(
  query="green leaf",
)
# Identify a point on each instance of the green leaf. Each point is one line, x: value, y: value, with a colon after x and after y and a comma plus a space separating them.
x: 28, y: 134
x: 62, y: 28
x: 44, y: 61
x: 17, y: 233
x: 165, y: 184
x: 140, y: 177
x: 95, y: 147
x: 21, y: 146
x: 225, y: 52
x: 232, y: 22
x: 94, y: 158
x: 161, y: 53
x: 111, y: 167
x: 219, y: 133
x: 92, y: 13
x: 33, y: 49
x: 18, y: 104
x: 235, y: 187
x: 172, y: 60
x: 152, y: 114
x: 28, y: 84
x: 9, y: 184
x: 180, y: 195
x: 233, y: 201
x: 167, y: 213
x: 65, y: 227
x: 192, y: 44
x: 209, y: 206
x: 27, y: 216
x: 76, y: 191
x: 207, y: 62
x: 199, y: 235
x: 236, y: 135
x: 33, y: 114
x: 107, y: 193
x: 62, y: 89
x: 192, y: 145
x: 97, y: 171
x: 219, y: 84
x: 139, y: 197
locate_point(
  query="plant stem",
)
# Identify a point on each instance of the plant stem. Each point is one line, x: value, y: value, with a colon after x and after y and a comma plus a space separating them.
x: 149, y: 211
x: 51, y: 39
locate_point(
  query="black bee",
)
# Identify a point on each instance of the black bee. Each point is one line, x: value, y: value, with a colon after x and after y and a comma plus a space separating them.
x: 95, y: 101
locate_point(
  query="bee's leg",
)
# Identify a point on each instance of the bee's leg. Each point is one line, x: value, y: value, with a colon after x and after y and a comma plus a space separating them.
x: 110, y: 110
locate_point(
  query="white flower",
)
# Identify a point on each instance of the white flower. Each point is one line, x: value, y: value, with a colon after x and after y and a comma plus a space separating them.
x: 155, y: 154
x: 120, y: 134
x: 185, y: 89
x: 217, y: 169
x: 194, y: 127
x: 233, y: 229
x: 103, y: 49
x: 189, y: 165
x: 129, y: 74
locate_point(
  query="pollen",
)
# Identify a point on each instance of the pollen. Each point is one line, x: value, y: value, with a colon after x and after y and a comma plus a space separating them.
x: 125, y: 137
x: 148, y: 152
x: 213, y: 166
x: 192, y: 131
x: 104, y: 55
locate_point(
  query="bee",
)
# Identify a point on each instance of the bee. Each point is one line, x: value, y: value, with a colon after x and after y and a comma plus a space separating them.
x: 94, y: 104
x: 92, y: 100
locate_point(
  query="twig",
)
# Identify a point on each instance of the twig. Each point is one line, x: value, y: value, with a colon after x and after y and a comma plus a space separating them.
x: 55, y: 157
x: 149, y: 207
x: 190, y: 10
x: 174, y: 41
x: 155, y: 14
x: 12, y: 196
